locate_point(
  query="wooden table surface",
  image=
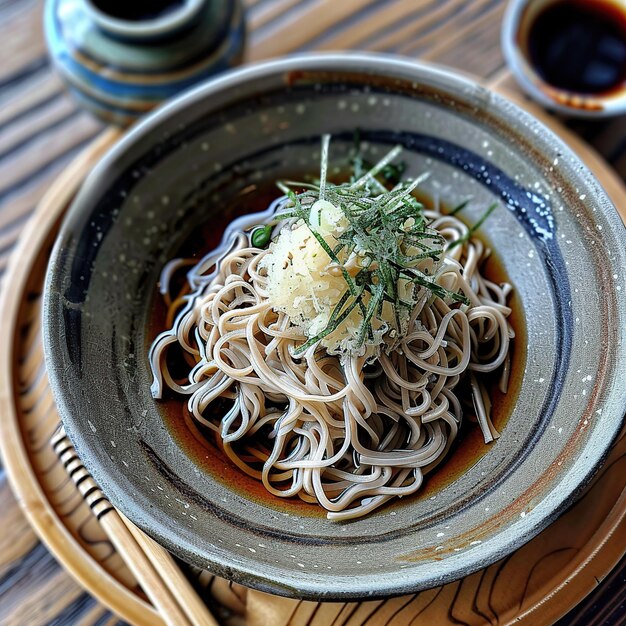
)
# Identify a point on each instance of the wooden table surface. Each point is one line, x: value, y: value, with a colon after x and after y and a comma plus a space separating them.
x: 42, y: 129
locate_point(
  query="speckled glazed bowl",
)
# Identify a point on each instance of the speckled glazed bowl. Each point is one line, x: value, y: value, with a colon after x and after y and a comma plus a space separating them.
x: 560, y: 241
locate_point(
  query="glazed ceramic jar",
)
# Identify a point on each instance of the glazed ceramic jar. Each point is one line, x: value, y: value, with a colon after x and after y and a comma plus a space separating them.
x: 120, y: 59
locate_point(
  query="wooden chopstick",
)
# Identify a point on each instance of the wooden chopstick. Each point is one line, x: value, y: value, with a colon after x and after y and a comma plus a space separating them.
x: 153, y: 567
x: 163, y: 562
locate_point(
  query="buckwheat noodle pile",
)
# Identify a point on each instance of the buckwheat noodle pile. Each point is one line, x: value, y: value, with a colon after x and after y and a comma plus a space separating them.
x: 349, y: 430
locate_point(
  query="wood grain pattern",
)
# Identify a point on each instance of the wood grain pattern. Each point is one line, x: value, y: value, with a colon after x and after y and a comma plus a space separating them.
x: 41, y: 131
x: 19, y: 18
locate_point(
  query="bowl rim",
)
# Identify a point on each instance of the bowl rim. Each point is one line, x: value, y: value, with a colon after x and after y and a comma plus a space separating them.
x: 289, y: 584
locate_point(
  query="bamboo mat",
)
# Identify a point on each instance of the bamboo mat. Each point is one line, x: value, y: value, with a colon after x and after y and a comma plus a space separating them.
x: 41, y: 131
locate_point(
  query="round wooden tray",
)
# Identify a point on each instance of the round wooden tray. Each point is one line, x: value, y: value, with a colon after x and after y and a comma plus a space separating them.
x: 535, y: 585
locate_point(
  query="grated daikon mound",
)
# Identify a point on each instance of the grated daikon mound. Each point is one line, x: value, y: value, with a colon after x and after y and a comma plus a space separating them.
x: 303, y: 284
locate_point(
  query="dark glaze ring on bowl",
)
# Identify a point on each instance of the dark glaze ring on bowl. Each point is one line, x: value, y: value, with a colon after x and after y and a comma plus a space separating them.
x: 560, y: 241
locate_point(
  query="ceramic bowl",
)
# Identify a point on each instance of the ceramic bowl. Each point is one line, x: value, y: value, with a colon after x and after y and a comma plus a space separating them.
x: 560, y: 242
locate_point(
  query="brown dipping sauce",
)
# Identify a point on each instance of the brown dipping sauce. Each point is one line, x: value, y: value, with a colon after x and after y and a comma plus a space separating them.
x: 580, y: 45
x: 466, y: 451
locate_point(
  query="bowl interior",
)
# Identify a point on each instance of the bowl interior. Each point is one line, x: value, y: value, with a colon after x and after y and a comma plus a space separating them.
x: 559, y: 241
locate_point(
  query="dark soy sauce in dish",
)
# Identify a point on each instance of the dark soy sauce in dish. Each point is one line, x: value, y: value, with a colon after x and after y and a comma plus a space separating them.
x: 207, y: 453
x: 580, y: 45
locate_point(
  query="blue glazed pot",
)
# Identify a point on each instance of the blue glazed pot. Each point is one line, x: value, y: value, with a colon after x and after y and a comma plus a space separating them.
x: 121, y: 59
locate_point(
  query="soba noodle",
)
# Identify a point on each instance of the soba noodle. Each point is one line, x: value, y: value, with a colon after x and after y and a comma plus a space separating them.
x: 331, y: 429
